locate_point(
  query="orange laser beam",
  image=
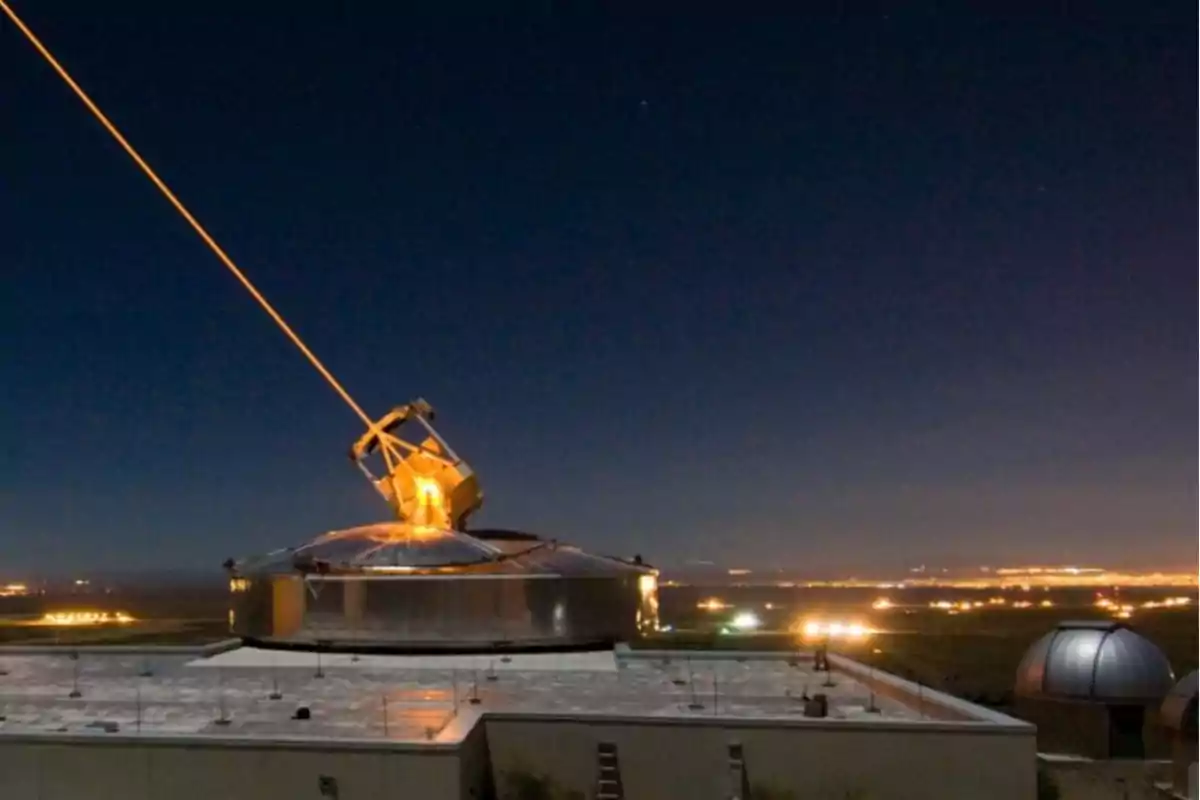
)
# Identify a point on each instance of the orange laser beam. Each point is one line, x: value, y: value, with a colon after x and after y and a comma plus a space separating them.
x: 187, y: 215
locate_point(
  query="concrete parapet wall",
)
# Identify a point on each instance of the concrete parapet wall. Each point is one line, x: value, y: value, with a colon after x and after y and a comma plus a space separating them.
x: 202, y: 651
x: 929, y: 702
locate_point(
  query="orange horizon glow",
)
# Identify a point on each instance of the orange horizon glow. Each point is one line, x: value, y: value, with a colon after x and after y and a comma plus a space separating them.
x: 1023, y: 578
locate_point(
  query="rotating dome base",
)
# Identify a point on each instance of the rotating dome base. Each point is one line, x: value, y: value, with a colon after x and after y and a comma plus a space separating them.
x: 402, y: 588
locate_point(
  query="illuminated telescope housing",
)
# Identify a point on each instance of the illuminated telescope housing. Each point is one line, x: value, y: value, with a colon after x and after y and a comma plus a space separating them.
x: 422, y: 583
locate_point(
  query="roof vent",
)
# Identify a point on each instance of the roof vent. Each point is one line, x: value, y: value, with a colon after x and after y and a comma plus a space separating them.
x: 817, y: 706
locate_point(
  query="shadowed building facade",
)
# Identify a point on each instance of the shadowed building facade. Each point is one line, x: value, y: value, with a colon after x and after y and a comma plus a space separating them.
x: 1179, y: 713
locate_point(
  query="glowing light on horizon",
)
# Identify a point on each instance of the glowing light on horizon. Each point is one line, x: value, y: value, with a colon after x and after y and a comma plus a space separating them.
x: 712, y: 604
x: 84, y: 618
x: 745, y: 621
x: 833, y: 629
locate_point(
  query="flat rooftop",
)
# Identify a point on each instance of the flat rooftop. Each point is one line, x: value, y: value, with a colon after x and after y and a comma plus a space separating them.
x: 396, y: 698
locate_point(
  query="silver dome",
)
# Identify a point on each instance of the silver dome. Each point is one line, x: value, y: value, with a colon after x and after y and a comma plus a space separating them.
x: 1103, y: 662
x: 398, y: 547
x: 1179, y: 709
x: 382, y: 545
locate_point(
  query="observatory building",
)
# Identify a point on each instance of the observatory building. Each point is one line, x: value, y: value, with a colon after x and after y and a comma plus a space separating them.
x: 423, y: 583
x: 240, y: 723
x: 1095, y: 686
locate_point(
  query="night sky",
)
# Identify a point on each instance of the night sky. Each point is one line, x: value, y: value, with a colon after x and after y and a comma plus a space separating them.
x: 828, y: 290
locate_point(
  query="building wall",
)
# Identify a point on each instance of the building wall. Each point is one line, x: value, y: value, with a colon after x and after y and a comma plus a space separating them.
x: 1082, y: 728
x: 474, y: 769
x: 1183, y: 763
x: 104, y: 768
x: 818, y: 760
x: 662, y: 759
x: 1076, y: 728
x: 925, y: 700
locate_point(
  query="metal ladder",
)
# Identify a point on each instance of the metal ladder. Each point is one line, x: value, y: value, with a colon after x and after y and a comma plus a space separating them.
x: 608, y: 773
x: 739, y: 781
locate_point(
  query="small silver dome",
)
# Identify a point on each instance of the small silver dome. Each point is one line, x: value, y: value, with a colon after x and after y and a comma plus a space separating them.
x: 1179, y: 709
x: 1103, y: 662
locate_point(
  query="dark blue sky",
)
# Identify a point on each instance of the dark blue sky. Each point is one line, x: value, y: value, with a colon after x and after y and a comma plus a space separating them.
x: 818, y: 289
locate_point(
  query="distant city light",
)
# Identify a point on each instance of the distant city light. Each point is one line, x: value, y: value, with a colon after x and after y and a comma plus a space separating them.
x: 14, y: 590
x: 1045, y: 578
x: 739, y: 572
x: 712, y: 604
x: 1126, y: 610
x: 955, y: 606
x: 1169, y: 602
x: 834, y: 629
x: 81, y: 618
x: 881, y: 604
x: 745, y: 621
